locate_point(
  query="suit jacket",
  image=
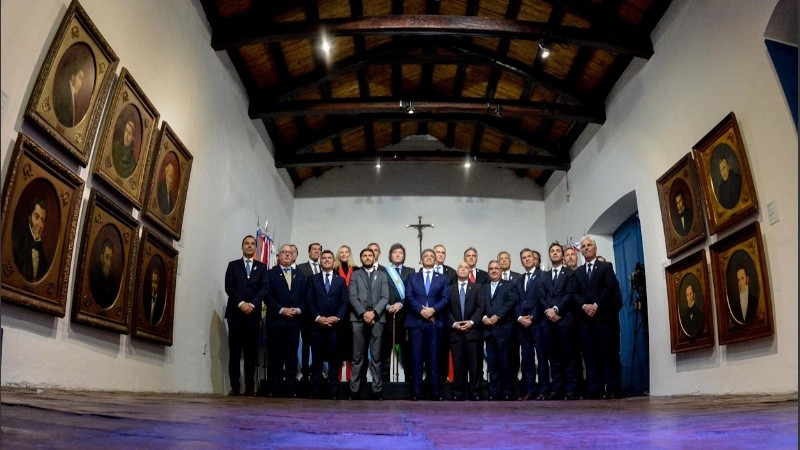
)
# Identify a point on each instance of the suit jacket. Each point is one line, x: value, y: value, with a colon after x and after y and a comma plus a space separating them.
x: 502, y: 305
x: 683, y: 228
x: 559, y: 293
x: 241, y: 289
x: 166, y: 199
x: 450, y: 273
x: 279, y: 296
x: 528, y: 300
x: 438, y: 298
x: 736, y: 306
x: 394, y: 295
x: 307, y: 270
x: 22, y: 246
x: 332, y: 303
x: 481, y: 276
x: 601, y: 289
x: 512, y: 276
x: 360, y: 299
x: 474, y: 305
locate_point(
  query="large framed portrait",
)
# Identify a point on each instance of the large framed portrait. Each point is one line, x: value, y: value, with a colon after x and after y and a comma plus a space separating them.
x: 41, y: 200
x: 725, y: 176
x: 744, y: 303
x: 681, y: 208
x: 124, y: 153
x: 169, y: 182
x: 154, y: 292
x: 73, y: 84
x: 690, y: 318
x: 101, y: 296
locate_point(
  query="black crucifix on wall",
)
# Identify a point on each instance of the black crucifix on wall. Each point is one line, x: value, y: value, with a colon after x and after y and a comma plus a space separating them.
x: 419, y: 226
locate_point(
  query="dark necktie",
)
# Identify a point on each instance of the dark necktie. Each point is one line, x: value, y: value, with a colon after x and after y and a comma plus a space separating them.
x: 555, y: 274
x: 528, y: 280
x: 247, y: 266
x: 589, y: 270
x: 315, y: 266
x: 427, y: 281
x: 462, y: 296
x: 369, y: 291
x: 327, y: 283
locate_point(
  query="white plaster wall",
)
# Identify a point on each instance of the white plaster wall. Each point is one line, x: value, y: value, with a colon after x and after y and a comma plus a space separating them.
x: 709, y: 60
x: 464, y: 205
x: 166, y: 47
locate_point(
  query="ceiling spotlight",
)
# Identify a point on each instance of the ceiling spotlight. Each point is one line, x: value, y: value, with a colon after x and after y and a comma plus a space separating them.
x: 467, y: 163
x: 410, y: 108
x: 378, y: 164
x: 544, y: 49
x: 498, y: 110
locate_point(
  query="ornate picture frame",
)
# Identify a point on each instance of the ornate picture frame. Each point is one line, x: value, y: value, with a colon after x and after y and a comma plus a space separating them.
x: 124, y: 153
x: 102, y: 292
x: 743, y: 300
x: 40, y: 196
x: 73, y: 84
x: 169, y: 182
x: 725, y: 176
x: 681, y: 207
x: 154, y: 291
x: 690, y: 310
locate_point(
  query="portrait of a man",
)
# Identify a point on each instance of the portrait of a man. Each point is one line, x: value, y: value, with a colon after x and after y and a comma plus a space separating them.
x: 729, y: 187
x: 153, y: 295
x: 166, y: 189
x: 682, y: 213
x: 743, y: 302
x: 691, y: 308
x: 73, y: 84
x: 126, y: 141
x: 103, y: 281
x: 29, y: 253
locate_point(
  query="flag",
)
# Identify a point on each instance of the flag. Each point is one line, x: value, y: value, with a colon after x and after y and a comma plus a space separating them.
x: 264, y: 248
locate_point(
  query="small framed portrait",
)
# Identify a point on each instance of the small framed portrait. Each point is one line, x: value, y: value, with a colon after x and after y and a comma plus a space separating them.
x: 689, y: 298
x: 681, y: 208
x: 73, y: 84
x: 725, y: 176
x: 101, y: 296
x: 169, y: 182
x: 41, y: 200
x: 154, y: 291
x: 744, y: 303
x: 123, y: 157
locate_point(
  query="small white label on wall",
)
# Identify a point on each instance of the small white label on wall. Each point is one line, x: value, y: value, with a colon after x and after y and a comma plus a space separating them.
x: 772, y: 212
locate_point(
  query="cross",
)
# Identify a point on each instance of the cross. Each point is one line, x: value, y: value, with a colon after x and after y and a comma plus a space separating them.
x: 419, y: 226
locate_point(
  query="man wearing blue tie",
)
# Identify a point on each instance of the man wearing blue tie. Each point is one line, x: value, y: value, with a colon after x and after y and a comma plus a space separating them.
x: 464, y: 317
x: 428, y: 296
x: 498, y: 316
x: 246, y: 286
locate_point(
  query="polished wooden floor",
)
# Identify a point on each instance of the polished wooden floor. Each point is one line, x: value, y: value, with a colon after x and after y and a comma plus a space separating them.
x: 33, y: 418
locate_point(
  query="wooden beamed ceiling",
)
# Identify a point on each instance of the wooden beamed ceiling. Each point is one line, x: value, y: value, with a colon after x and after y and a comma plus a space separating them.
x: 472, y: 71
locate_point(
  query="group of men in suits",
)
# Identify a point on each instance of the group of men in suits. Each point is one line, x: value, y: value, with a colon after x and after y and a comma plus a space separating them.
x: 544, y: 322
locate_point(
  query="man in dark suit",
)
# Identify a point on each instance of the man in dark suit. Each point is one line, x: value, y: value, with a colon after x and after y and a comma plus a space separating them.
x: 166, y: 194
x: 691, y: 312
x: 498, y: 317
x: 326, y: 300
x: 284, y: 314
x: 103, y: 282
x: 477, y: 276
x: 557, y: 304
x: 506, y: 274
x: 308, y: 269
x: 745, y: 304
x: 528, y: 328
x: 428, y: 296
x: 439, y: 266
x: 730, y: 185
x: 394, y: 332
x: 65, y: 95
x: 246, y: 286
x: 598, y: 322
x: 369, y: 295
x: 29, y: 254
x: 464, y: 317
x: 683, y: 220
x: 153, y: 297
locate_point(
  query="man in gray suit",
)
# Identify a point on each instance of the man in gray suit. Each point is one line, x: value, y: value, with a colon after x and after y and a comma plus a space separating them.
x: 369, y: 295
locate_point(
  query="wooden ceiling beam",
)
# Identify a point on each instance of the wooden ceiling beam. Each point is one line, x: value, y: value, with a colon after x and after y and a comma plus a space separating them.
x: 376, y: 107
x: 250, y: 30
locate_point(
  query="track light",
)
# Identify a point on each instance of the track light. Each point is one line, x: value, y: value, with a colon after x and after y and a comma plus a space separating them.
x: 544, y: 49
x: 378, y: 164
x: 498, y: 110
x: 410, y: 108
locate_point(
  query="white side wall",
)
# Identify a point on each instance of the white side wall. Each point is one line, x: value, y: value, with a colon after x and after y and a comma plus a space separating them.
x: 165, y: 45
x: 709, y: 60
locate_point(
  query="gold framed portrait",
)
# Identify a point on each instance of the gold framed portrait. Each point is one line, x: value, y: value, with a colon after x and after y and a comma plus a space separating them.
x: 73, y: 84
x: 681, y: 207
x: 41, y: 201
x: 154, y: 292
x: 690, y: 310
x: 725, y: 176
x: 123, y: 157
x: 169, y: 182
x: 101, y: 296
x: 743, y: 300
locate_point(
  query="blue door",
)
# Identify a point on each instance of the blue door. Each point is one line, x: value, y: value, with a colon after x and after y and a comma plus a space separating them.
x: 634, y: 355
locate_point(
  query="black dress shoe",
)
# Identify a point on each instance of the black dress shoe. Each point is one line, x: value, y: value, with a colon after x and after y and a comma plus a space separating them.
x: 526, y: 397
x: 475, y: 398
x: 609, y: 396
x: 554, y: 396
x: 572, y: 396
x: 234, y: 393
x: 414, y: 398
x: 506, y: 398
x: 540, y: 397
x: 376, y: 396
